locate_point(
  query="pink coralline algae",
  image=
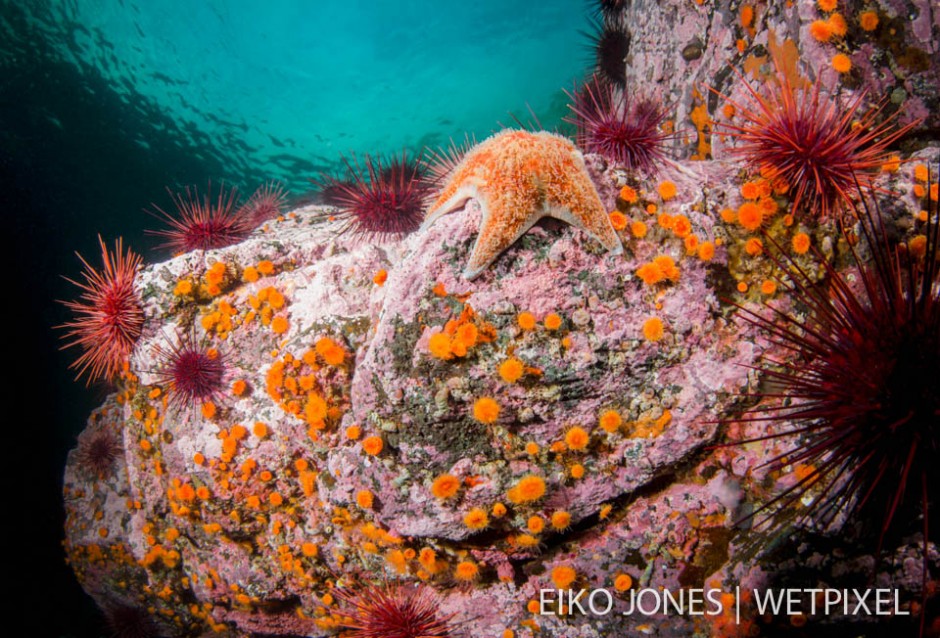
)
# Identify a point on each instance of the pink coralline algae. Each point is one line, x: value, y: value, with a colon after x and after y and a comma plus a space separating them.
x: 384, y: 438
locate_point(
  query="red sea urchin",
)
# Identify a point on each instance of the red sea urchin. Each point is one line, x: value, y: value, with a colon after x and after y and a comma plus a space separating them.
x: 108, y: 316
x: 379, y: 199
x: 391, y: 611
x: 264, y: 204
x: 624, y: 131
x: 195, y: 374
x: 203, y: 224
x: 819, y: 147
x: 860, y: 388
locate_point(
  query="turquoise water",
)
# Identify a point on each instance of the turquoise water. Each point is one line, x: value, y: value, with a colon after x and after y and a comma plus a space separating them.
x: 279, y: 89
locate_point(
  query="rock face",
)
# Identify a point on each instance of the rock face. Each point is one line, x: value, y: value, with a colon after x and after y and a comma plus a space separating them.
x: 551, y: 424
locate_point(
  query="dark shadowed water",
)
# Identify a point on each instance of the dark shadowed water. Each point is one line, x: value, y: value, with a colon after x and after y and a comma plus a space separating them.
x: 105, y: 103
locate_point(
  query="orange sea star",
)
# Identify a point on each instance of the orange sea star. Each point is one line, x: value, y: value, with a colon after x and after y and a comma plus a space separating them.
x: 518, y: 178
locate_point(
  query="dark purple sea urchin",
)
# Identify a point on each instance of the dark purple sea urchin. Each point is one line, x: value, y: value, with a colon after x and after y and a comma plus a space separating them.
x: 859, y: 388
x: 378, y: 198
x: 610, y: 45
x: 194, y: 373
x: 622, y: 130
x: 97, y: 452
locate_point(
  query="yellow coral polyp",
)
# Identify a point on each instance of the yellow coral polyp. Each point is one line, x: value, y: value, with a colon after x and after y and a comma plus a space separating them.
x: 561, y: 520
x: 820, y: 30
x: 577, y: 438
x: 476, y: 519
x: 535, y: 524
x: 667, y: 190
x: 618, y: 220
x: 279, y: 325
x: 868, y: 20
x: 628, y: 194
x: 445, y: 486
x: 466, y: 571
x: 841, y: 63
x: 564, y: 576
x: 183, y: 287
x: 750, y: 216
x: 315, y: 409
x: 529, y: 488
x: 439, y: 346
x: 331, y: 352
x: 610, y: 421
x: 364, y: 499
x: 801, y: 243
x: 372, y: 445
x: 511, y: 370
x: 486, y: 410
x: 526, y: 320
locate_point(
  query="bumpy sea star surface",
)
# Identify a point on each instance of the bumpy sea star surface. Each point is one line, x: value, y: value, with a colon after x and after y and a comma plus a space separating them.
x: 518, y: 178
